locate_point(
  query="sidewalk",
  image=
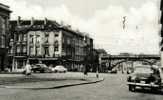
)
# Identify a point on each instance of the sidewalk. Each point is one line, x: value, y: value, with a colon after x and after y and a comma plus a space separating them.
x: 46, y: 80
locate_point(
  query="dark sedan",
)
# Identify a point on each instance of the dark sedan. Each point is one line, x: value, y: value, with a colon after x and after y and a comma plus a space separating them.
x: 144, y: 76
x: 42, y: 68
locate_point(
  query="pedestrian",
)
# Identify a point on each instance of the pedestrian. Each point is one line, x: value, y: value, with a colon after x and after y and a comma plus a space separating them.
x: 97, y: 72
x: 28, y: 68
x: 85, y: 71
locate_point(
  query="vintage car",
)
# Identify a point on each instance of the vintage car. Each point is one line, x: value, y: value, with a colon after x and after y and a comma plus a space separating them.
x: 42, y: 68
x: 59, y: 69
x: 144, y: 76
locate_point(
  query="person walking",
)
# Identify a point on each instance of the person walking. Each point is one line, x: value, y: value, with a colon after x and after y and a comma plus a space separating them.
x: 28, y: 68
x: 97, y: 72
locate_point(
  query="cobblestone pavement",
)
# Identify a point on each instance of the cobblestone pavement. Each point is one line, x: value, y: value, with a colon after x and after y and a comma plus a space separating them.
x: 112, y: 88
x: 46, y: 80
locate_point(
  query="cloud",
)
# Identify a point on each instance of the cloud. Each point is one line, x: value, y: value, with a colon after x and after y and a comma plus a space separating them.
x: 139, y: 36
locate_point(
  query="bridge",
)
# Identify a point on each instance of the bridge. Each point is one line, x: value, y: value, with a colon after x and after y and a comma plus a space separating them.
x: 108, y: 62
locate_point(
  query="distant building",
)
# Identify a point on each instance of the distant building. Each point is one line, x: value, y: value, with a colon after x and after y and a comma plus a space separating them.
x: 161, y: 33
x: 48, y: 42
x: 101, y: 51
x: 4, y: 35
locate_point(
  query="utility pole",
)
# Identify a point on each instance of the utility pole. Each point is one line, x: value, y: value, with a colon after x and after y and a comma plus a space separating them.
x: 124, y: 26
x: 124, y: 22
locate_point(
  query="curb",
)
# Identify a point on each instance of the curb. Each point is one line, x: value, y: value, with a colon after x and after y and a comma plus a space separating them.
x: 55, y: 87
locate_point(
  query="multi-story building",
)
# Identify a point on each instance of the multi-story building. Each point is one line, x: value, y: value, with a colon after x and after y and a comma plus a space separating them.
x: 46, y: 41
x: 4, y: 32
x: 161, y: 21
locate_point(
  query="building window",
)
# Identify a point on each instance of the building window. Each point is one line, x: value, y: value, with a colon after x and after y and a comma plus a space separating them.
x: 2, y: 25
x: 2, y: 42
x: 46, y: 34
x: 24, y: 49
x: 46, y: 37
x: 68, y: 41
x: 24, y: 37
x: 56, y: 48
x: 46, y: 51
x: 2, y: 32
x: 56, y: 34
x: 56, y: 45
x: 37, y: 50
x: 63, y: 40
x: 37, y: 38
x: 31, y: 50
x: 31, y: 38
x: 19, y: 38
x: 18, y: 49
x: 11, y: 51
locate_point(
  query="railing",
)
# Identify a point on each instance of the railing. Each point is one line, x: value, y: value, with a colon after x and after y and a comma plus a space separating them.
x: 131, y: 56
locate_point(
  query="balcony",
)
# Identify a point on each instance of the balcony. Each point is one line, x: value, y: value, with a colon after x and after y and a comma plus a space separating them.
x: 20, y: 55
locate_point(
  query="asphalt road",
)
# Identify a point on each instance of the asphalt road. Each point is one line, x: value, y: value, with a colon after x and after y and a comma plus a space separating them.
x: 112, y: 88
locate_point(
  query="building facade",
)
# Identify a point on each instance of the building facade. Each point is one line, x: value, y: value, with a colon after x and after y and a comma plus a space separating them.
x: 4, y: 32
x: 46, y: 41
x: 161, y: 33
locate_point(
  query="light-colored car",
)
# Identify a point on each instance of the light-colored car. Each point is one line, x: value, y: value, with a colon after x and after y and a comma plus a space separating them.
x: 59, y: 69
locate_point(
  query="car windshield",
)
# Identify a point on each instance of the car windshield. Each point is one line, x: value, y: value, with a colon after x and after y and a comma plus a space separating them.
x: 41, y: 65
x: 143, y: 70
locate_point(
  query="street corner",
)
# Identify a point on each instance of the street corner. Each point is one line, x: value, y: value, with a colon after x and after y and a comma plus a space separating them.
x: 52, y: 84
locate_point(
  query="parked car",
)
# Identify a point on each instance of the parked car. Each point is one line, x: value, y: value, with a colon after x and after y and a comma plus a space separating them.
x: 40, y: 68
x: 144, y: 76
x: 59, y: 69
x: 113, y: 71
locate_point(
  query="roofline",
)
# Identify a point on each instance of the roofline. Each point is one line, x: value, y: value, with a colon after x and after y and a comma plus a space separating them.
x: 5, y: 7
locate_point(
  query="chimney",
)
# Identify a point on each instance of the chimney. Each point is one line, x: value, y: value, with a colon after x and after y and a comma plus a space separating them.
x: 32, y: 21
x: 18, y: 20
x: 45, y: 21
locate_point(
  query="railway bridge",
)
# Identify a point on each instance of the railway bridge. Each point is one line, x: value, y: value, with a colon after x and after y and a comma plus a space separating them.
x: 109, y: 62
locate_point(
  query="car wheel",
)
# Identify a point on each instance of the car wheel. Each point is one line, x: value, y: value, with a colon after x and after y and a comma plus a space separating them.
x: 132, y: 88
x: 42, y: 71
x: 154, y: 89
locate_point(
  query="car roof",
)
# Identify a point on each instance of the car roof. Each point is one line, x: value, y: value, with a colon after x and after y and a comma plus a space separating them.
x: 41, y: 64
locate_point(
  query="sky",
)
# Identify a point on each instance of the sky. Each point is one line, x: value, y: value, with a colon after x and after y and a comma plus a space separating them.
x: 102, y: 19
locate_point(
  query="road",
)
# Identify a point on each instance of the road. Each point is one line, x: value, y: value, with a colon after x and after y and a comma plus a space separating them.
x: 112, y: 88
